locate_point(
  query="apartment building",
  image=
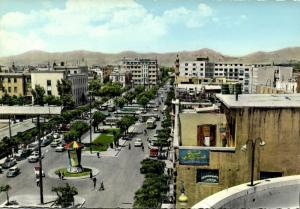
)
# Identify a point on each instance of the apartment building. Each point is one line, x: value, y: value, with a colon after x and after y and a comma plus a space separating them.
x: 120, y: 75
x: 201, y: 68
x: 78, y: 75
x: 214, y: 150
x: 144, y: 71
x: 15, y: 84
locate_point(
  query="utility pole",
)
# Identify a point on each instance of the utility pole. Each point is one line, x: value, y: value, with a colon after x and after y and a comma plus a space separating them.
x: 40, y: 161
x: 9, y: 128
x: 91, y: 122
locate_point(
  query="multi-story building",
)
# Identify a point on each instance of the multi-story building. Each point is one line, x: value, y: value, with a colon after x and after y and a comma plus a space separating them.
x: 15, y: 84
x: 201, y: 68
x: 120, y: 75
x: 48, y: 80
x: 144, y: 71
x: 214, y: 151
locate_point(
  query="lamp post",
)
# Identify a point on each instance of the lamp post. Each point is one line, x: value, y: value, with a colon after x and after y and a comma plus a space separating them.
x: 40, y: 162
x: 90, y: 95
x: 252, y: 142
x: 182, y: 198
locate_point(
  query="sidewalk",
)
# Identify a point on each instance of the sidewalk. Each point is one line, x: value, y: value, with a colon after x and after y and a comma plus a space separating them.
x: 109, y: 153
x: 34, y: 201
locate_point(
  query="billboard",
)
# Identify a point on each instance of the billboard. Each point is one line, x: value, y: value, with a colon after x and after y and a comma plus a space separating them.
x: 193, y: 157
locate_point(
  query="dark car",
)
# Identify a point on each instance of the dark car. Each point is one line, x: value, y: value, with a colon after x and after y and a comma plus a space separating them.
x: 9, y: 162
x: 12, y: 172
x: 22, y: 154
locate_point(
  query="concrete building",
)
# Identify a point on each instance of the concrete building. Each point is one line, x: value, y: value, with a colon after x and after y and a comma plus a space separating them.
x: 144, y: 71
x: 15, y: 84
x: 200, y: 68
x: 268, y: 75
x: 209, y: 152
x: 120, y: 75
x: 77, y: 75
x: 97, y: 73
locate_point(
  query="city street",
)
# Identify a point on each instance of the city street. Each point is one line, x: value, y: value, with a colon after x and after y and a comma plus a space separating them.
x: 15, y: 128
x: 121, y: 174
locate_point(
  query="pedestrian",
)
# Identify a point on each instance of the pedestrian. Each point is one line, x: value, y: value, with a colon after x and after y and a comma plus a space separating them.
x: 101, y: 186
x: 62, y: 176
x: 91, y: 175
x: 37, y: 182
x: 94, y: 182
x: 59, y: 175
x: 143, y: 147
x: 129, y: 146
x: 98, y: 154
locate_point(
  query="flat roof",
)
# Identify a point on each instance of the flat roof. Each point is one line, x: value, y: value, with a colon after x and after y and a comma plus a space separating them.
x: 261, y: 100
x: 30, y: 110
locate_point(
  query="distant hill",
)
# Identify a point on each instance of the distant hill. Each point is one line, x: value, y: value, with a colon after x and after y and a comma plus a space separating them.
x: 165, y: 59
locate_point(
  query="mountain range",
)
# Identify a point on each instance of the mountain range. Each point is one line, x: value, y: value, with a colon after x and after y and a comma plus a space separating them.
x: 285, y: 55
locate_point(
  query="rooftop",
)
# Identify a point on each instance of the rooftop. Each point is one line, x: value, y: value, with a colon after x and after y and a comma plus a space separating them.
x: 261, y: 100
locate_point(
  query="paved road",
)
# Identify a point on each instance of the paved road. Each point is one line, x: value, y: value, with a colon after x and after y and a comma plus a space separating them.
x: 121, y: 175
x: 15, y: 128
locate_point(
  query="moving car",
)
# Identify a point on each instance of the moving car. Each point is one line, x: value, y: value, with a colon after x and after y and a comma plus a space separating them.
x: 34, y: 157
x: 12, y: 172
x: 22, y: 154
x: 33, y: 146
x: 56, y: 142
x: 46, y: 141
x: 60, y: 148
x: 138, y: 142
x: 9, y: 162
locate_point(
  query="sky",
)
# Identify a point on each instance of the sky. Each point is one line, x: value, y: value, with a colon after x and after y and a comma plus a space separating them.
x: 232, y: 27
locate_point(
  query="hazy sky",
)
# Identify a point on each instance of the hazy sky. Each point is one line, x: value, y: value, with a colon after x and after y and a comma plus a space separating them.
x: 230, y: 27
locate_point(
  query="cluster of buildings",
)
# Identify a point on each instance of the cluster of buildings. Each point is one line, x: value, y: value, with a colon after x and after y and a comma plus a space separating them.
x: 129, y: 72
x: 233, y: 122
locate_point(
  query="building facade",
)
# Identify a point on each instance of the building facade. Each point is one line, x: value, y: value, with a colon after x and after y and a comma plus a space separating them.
x: 144, y: 71
x: 212, y: 155
x: 15, y: 84
x: 200, y: 68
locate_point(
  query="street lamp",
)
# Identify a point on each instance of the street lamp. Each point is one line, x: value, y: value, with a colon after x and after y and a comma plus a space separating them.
x: 182, y: 198
x: 253, y: 145
x: 90, y: 95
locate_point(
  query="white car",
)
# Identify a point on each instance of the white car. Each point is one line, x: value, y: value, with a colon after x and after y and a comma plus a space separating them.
x: 138, y: 142
x: 60, y: 148
x: 34, y: 157
x: 56, y: 142
x: 56, y: 135
x: 155, y: 109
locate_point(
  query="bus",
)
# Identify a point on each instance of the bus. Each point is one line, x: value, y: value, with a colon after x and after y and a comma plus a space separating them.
x: 145, y: 117
x: 111, y: 121
x: 151, y: 123
x: 120, y: 113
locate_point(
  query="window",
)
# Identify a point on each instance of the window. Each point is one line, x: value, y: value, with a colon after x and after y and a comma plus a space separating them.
x: 186, y: 74
x: 15, y: 89
x: 194, y: 69
x: 15, y: 80
x: 75, y: 71
x: 48, y: 82
x: 267, y: 174
x: 207, y: 176
x: 186, y: 64
x: 8, y: 80
x: 194, y: 64
x: 201, y: 74
x: 186, y: 69
x: 49, y: 92
x: 9, y: 89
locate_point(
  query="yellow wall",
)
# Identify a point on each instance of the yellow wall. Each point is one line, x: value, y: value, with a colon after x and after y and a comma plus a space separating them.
x: 190, y: 121
x: 19, y: 84
x: 40, y: 78
x: 279, y: 128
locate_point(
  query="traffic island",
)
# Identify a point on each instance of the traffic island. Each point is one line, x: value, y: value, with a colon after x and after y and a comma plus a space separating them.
x: 64, y: 171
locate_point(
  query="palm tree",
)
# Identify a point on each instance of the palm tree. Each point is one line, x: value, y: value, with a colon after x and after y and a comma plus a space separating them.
x: 5, y: 188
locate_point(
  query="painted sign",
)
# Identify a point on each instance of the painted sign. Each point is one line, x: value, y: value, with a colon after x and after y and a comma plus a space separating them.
x: 193, y: 157
x: 73, y: 158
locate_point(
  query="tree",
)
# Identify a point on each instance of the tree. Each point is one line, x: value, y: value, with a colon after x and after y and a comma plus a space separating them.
x: 98, y: 117
x: 5, y: 188
x: 38, y: 95
x: 120, y: 102
x: 129, y: 97
x: 143, y: 100
x: 152, y: 166
x: 64, y: 88
x: 95, y: 86
x: 52, y: 100
x: 65, y: 195
x: 126, y: 122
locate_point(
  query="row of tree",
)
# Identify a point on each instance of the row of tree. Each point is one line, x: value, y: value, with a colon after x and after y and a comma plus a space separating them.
x: 155, y: 185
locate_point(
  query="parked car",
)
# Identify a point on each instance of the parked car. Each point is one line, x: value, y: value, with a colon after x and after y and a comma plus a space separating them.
x: 155, y: 109
x: 34, y: 157
x: 60, y: 148
x: 56, y: 142
x: 12, y: 172
x: 9, y: 162
x: 33, y: 146
x: 138, y: 142
x: 22, y: 154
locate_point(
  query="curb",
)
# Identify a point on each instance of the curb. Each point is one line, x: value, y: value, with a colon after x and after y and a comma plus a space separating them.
x: 51, y: 174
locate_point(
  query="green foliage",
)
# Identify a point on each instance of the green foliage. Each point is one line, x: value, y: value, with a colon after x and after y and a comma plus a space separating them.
x: 155, y: 185
x: 98, y: 117
x: 126, y: 122
x: 65, y: 195
x: 143, y: 100
x: 38, y: 95
x: 77, y: 129
x: 64, y: 88
x: 95, y: 86
x: 52, y: 100
x: 111, y: 90
x: 120, y: 101
x: 129, y: 97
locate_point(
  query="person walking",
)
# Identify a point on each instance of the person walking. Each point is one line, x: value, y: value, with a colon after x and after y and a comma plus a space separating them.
x: 91, y: 175
x: 59, y: 174
x: 98, y: 154
x: 62, y: 176
x: 101, y: 188
x: 37, y: 182
x: 129, y: 146
x: 94, y: 182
